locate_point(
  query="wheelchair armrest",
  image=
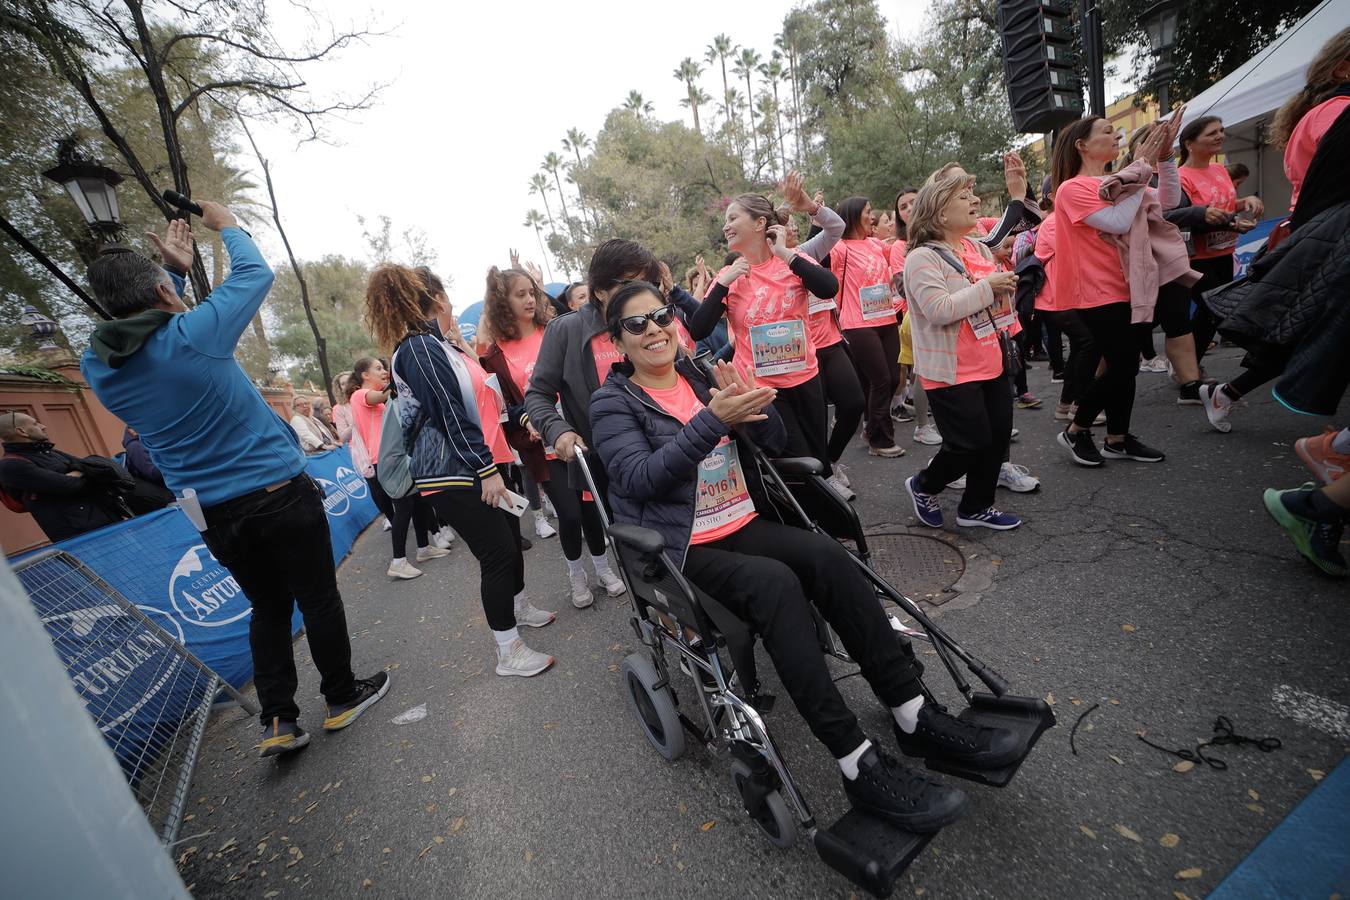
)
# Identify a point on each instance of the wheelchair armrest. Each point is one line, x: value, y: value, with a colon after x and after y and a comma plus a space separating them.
x: 643, y: 540
x: 799, y: 465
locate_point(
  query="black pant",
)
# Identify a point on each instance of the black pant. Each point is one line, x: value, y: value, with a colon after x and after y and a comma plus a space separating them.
x: 764, y: 574
x: 1022, y: 343
x: 381, y: 498
x: 1054, y: 346
x: 803, y: 411
x: 975, y: 419
x: 413, y: 510
x: 575, y: 516
x: 842, y: 388
x: 1118, y: 341
x: 1081, y: 366
x: 276, y: 545
x: 485, y: 529
x: 514, y: 476
x: 1214, y: 272
x: 876, y: 352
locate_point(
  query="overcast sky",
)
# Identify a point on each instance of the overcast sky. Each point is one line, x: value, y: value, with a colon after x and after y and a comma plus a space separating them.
x: 479, y: 93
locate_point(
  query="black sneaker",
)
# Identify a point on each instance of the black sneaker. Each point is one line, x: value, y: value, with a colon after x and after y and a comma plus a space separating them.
x: 1080, y: 447
x: 1056, y: 377
x: 1188, y: 394
x: 526, y: 544
x: 941, y: 734
x: 1131, y: 448
x: 368, y: 691
x: 902, y: 413
x: 282, y: 736
x: 910, y: 800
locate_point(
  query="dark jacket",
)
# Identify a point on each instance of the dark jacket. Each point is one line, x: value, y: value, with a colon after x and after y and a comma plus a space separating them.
x: 1190, y: 219
x: 441, y: 433
x: 139, y: 462
x: 652, y: 460
x: 34, y: 472
x: 530, y: 448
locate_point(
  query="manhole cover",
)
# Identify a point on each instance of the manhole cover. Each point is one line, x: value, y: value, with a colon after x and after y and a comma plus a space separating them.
x: 919, y: 567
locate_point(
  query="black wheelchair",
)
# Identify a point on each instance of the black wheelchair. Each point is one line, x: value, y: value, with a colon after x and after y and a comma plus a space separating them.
x: 674, y: 619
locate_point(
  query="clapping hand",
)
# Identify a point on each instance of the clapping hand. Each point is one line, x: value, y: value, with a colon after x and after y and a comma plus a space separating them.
x: 176, y: 247
x: 1015, y: 176
x: 736, y: 399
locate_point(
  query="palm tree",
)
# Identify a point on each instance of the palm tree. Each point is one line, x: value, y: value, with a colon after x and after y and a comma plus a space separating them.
x: 574, y: 143
x: 720, y: 48
x: 539, y: 185
x: 734, y: 102
x: 744, y: 65
x: 534, y: 220
x: 768, y: 111
x: 773, y: 71
x: 636, y: 105
x: 786, y: 41
x: 698, y: 97
x: 552, y: 163
x: 688, y: 73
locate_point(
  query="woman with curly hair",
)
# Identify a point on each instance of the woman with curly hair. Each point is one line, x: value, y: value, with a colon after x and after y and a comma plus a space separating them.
x: 450, y: 459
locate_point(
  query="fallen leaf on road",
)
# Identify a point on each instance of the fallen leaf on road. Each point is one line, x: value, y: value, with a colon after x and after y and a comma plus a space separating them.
x: 1169, y: 840
x: 431, y: 807
x: 1127, y: 833
x: 1127, y: 628
x: 529, y: 855
x: 614, y: 668
x: 438, y: 839
x: 365, y: 883
x: 1088, y: 831
x: 1184, y: 766
x: 1256, y: 807
x: 706, y: 826
x: 1116, y: 759
x: 1075, y: 701
x: 548, y: 725
x: 228, y: 845
x: 426, y: 779
x: 1050, y: 697
x: 1317, y: 774
x: 1253, y: 794
x: 1114, y: 702
x: 456, y: 825
x: 1187, y: 874
x: 682, y: 808
x: 1180, y: 895
x: 408, y: 716
x: 451, y: 792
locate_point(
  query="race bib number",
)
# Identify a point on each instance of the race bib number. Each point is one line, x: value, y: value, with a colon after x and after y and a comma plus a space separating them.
x: 723, y: 496
x: 819, y: 305
x: 875, y: 300
x: 778, y: 347
x: 1221, y: 240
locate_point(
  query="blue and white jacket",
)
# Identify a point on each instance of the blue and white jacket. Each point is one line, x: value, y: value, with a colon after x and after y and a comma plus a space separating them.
x: 441, y: 431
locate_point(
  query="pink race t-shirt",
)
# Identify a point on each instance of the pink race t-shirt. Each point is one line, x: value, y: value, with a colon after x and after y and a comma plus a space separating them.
x: 605, y: 353
x: 1088, y: 273
x: 864, y: 271
x: 489, y: 412
x: 722, y: 502
x: 1211, y: 187
x: 1307, y: 134
x: 1045, y: 252
x: 977, y: 359
x: 767, y: 313
x: 521, y: 356
x: 367, y: 420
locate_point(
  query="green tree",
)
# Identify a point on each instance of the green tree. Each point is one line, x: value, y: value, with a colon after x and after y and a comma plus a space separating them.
x: 635, y: 104
x: 536, y: 221
x: 746, y: 64
x: 842, y: 55
x: 688, y: 73
x: 337, y: 290
x: 773, y: 72
x: 717, y: 52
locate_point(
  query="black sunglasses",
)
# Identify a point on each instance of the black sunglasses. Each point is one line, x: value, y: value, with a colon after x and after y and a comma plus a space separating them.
x: 662, y: 316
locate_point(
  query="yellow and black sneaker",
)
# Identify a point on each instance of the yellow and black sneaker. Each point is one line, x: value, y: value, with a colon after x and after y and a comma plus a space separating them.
x: 368, y: 691
x: 282, y: 736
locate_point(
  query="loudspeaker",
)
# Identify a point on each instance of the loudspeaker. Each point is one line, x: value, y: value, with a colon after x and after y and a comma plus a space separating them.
x: 1044, y: 90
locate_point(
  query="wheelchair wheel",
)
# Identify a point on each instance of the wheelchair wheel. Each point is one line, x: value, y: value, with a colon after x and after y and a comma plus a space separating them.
x: 778, y: 825
x: 653, y: 707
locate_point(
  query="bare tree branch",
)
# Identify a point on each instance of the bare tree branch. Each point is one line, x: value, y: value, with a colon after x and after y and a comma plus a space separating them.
x: 249, y: 83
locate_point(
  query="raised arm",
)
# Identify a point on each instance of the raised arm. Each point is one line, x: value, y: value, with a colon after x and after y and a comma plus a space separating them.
x: 215, y: 325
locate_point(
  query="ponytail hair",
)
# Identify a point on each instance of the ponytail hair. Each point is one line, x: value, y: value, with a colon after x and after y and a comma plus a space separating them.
x: 1321, y: 84
x: 757, y: 206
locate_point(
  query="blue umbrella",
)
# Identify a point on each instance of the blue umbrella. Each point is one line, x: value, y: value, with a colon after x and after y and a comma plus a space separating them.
x: 468, y: 321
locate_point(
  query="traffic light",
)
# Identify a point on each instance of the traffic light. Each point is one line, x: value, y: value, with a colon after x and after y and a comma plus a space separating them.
x: 1044, y: 90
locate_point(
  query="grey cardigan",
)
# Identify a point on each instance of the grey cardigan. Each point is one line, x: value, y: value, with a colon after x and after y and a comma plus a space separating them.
x: 565, y: 369
x: 940, y: 298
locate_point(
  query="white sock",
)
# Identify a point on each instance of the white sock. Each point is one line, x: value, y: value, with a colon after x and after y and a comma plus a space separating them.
x: 399, y: 559
x: 505, y: 639
x: 849, y: 764
x: 575, y: 568
x: 520, y: 602
x: 907, y: 713
x: 1341, y: 442
x: 601, y: 564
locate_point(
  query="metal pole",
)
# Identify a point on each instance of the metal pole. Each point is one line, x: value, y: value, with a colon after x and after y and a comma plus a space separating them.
x: 1091, y: 24
x: 32, y: 250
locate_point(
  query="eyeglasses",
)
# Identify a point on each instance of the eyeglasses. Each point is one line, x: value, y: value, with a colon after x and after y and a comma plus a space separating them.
x: 662, y: 316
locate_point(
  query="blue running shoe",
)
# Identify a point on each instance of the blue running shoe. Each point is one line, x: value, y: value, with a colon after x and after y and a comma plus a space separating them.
x: 989, y: 518
x: 925, y: 505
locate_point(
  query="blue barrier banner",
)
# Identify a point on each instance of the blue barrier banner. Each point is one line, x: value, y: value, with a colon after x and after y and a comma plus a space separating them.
x: 160, y: 563
x: 1248, y: 244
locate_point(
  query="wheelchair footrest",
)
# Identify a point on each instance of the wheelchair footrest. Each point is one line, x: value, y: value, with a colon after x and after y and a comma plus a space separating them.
x: 868, y: 851
x: 1026, y: 717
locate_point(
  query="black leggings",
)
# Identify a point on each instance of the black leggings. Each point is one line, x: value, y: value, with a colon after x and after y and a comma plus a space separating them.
x: 382, y: 501
x: 802, y: 408
x: 1113, y: 392
x: 1214, y: 272
x: 975, y: 419
x: 1054, y: 342
x: 1081, y: 366
x: 764, y: 574
x: 876, y: 352
x: 575, y: 516
x: 487, y: 532
x: 842, y: 388
x: 413, y: 510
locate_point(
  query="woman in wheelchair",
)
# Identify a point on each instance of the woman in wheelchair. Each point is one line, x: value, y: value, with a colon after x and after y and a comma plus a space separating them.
x: 668, y: 439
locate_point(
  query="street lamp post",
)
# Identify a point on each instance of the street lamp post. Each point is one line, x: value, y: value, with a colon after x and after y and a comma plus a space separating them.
x: 94, y: 189
x: 1159, y: 22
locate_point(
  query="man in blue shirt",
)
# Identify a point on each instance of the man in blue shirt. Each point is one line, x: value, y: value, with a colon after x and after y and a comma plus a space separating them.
x: 169, y: 372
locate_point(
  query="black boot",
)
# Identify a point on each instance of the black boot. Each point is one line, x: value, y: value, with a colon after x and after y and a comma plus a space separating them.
x: 888, y: 790
x: 940, y: 734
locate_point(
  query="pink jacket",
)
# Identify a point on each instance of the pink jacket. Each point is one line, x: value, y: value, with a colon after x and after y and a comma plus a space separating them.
x: 1152, y: 252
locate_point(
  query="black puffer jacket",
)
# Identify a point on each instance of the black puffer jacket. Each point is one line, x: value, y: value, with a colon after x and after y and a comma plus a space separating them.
x: 34, y: 472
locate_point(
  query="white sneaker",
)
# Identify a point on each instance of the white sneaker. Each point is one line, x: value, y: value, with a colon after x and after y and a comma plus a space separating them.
x: 927, y: 434
x: 890, y: 452
x: 547, y: 506
x: 1017, y: 478
x: 535, y: 618
x: 841, y: 474
x: 959, y: 484
x: 840, y: 488
x: 401, y: 568
x: 581, y: 591
x: 612, y: 583
x: 438, y: 541
x: 1012, y: 435
x: 521, y: 660
x: 387, y: 526
x: 445, y: 537
x: 1157, y: 365
x: 541, y: 527
x: 431, y: 552
x: 1217, y: 407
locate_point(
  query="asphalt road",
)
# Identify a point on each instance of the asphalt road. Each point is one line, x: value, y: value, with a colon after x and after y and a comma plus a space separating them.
x: 1161, y: 592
